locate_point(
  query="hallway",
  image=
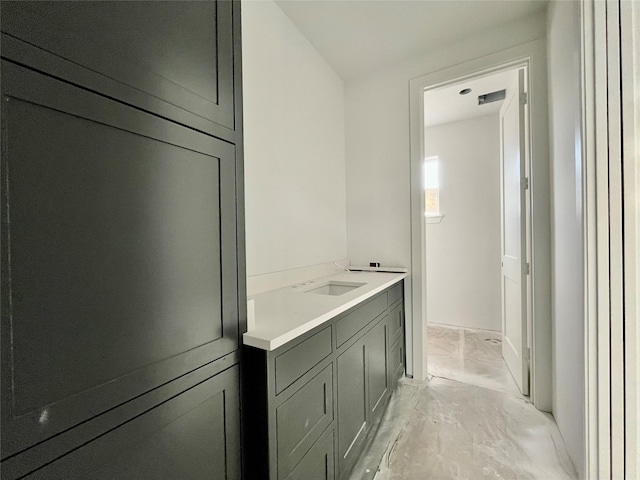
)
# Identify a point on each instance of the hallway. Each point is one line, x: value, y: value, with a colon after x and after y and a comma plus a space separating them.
x: 467, y: 422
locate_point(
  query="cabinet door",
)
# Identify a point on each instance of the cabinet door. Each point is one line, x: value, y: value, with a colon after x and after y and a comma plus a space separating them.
x: 377, y: 369
x: 119, y: 268
x: 352, y: 407
x: 193, y: 436
x: 172, y: 58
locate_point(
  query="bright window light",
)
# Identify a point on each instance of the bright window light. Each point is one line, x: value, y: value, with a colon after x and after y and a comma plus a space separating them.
x: 431, y: 186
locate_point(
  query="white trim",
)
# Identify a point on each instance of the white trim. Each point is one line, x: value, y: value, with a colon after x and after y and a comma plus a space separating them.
x: 592, y: 459
x: 616, y: 260
x: 532, y: 55
x: 630, y: 62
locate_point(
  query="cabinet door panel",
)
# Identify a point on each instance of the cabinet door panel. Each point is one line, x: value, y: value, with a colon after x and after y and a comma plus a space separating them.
x: 193, y: 436
x: 178, y: 52
x: 377, y: 368
x: 352, y: 408
x: 118, y: 252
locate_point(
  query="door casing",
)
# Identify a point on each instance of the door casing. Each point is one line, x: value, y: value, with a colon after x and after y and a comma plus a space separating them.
x: 531, y: 56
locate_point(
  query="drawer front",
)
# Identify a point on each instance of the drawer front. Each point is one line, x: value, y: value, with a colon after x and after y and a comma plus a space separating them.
x: 295, y: 362
x: 319, y: 463
x: 395, y: 293
x: 396, y: 322
x: 350, y: 324
x: 302, y: 419
x: 396, y: 362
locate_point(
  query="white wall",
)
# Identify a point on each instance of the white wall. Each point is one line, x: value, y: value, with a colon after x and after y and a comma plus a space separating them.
x: 378, y: 145
x: 567, y: 220
x: 463, y: 250
x: 294, y: 149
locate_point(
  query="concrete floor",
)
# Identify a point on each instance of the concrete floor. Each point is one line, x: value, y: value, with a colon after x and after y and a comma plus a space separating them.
x: 468, y: 421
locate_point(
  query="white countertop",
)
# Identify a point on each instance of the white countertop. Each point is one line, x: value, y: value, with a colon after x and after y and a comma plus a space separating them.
x: 286, y: 313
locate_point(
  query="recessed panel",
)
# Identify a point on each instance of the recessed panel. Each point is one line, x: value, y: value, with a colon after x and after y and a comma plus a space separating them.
x: 511, y: 181
x: 114, y: 252
x: 512, y: 309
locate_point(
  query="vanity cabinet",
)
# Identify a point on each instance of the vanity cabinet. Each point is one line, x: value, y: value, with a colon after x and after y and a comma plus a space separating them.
x: 312, y: 403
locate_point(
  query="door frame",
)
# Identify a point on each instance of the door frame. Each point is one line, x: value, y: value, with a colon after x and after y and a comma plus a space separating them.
x: 532, y: 56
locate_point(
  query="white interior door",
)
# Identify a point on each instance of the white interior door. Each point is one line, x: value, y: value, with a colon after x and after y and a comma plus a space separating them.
x: 513, y: 185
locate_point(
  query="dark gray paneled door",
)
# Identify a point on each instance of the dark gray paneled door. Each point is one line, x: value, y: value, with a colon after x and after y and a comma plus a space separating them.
x: 118, y: 244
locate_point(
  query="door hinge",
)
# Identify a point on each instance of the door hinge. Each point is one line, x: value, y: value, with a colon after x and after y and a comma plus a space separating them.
x: 527, y: 269
x: 525, y: 183
x: 524, y: 98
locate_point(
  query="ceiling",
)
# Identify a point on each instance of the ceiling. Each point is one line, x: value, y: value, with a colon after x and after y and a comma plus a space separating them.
x: 446, y: 105
x: 361, y: 36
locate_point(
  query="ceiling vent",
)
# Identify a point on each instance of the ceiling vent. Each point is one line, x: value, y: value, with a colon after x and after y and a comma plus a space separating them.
x: 491, y: 97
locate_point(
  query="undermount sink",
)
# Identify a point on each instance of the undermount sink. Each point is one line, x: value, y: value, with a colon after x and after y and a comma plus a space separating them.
x: 335, y: 288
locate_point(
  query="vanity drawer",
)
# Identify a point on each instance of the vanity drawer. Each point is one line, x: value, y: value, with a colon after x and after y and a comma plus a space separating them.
x: 295, y: 362
x: 395, y: 293
x: 302, y: 418
x: 353, y: 322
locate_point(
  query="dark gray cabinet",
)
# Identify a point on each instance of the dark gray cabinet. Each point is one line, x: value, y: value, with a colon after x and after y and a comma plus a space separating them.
x: 312, y: 403
x: 175, y: 59
x: 121, y: 236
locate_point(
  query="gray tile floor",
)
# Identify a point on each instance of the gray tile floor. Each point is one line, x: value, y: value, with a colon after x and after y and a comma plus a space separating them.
x: 468, y: 421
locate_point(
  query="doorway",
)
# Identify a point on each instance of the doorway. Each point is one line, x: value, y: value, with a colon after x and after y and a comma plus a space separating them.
x: 536, y: 245
x: 476, y: 232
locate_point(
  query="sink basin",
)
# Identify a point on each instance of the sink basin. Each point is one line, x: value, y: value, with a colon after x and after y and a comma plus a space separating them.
x: 335, y: 288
